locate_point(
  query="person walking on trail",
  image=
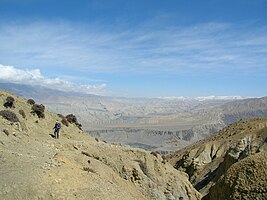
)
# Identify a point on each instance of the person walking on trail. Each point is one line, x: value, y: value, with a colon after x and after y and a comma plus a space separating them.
x: 57, y: 129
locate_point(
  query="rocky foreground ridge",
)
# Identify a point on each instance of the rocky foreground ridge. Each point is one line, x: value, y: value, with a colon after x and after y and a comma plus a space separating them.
x: 34, y: 165
x: 232, y: 164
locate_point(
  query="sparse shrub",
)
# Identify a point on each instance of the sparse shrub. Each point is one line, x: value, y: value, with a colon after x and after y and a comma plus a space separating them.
x: 10, y: 116
x: 73, y: 120
x: 96, y: 139
x: 36, y: 121
x: 6, y: 132
x: 9, y: 102
x: 65, y: 122
x: 39, y: 110
x: 88, y: 169
x: 79, y: 126
x: 22, y: 113
x: 61, y: 116
x: 154, y: 153
x: 31, y: 101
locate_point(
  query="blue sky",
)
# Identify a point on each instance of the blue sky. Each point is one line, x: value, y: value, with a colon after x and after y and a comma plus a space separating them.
x: 137, y: 48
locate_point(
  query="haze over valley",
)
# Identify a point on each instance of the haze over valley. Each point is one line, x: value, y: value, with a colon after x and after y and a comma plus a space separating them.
x: 155, y: 124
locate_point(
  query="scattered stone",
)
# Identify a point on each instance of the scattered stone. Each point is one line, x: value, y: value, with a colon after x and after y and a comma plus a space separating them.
x: 86, y: 154
x: 88, y: 169
x: 6, y: 132
x: 135, y: 174
x: 22, y: 113
x: 18, y: 126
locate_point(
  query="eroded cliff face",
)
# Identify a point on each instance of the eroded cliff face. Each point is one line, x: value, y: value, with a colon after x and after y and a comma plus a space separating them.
x: 245, y: 179
x: 208, y: 160
x: 34, y: 165
x: 162, y: 141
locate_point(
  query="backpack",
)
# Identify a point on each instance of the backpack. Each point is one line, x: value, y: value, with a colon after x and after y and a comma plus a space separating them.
x: 58, y: 126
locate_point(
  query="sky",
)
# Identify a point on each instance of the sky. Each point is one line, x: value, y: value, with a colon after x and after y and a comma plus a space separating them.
x: 136, y: 48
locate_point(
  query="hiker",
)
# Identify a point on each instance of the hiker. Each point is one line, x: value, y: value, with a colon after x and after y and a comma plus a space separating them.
x: 57, y: 129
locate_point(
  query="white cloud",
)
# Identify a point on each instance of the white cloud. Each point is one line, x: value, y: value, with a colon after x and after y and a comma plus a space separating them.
x: 34, y: 77
x: 207, y: 48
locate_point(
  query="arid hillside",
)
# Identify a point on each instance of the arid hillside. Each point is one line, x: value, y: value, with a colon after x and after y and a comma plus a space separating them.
x: 229, y: 165
x: 155, y: 124
x: 34, y: 165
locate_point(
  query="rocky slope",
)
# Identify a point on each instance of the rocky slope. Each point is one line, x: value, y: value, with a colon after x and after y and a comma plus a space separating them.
x: 218, y: 159
x: 162, y: 141
x: 244, y: 180
x: 163, y: 125
x: 246, y: 108
x: 34, y: 165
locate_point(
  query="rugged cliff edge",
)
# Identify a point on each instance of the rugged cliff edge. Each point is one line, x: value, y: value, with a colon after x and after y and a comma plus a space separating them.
x: 217, y: 162
x: 244, y: 180
x: 34, y: 165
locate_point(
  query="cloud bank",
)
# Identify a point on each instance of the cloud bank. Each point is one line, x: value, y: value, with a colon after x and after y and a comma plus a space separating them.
x: 34, y: 77
x: 150, y: 48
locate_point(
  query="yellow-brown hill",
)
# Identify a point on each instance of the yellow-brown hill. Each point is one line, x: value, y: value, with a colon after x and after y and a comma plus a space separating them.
x: 34, y: 165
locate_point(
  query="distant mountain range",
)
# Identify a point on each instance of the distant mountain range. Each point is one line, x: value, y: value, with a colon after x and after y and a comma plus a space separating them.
x: 40, y: 92
x: 205, y: 98
x: 37, y: 92
x: 160, y: 124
